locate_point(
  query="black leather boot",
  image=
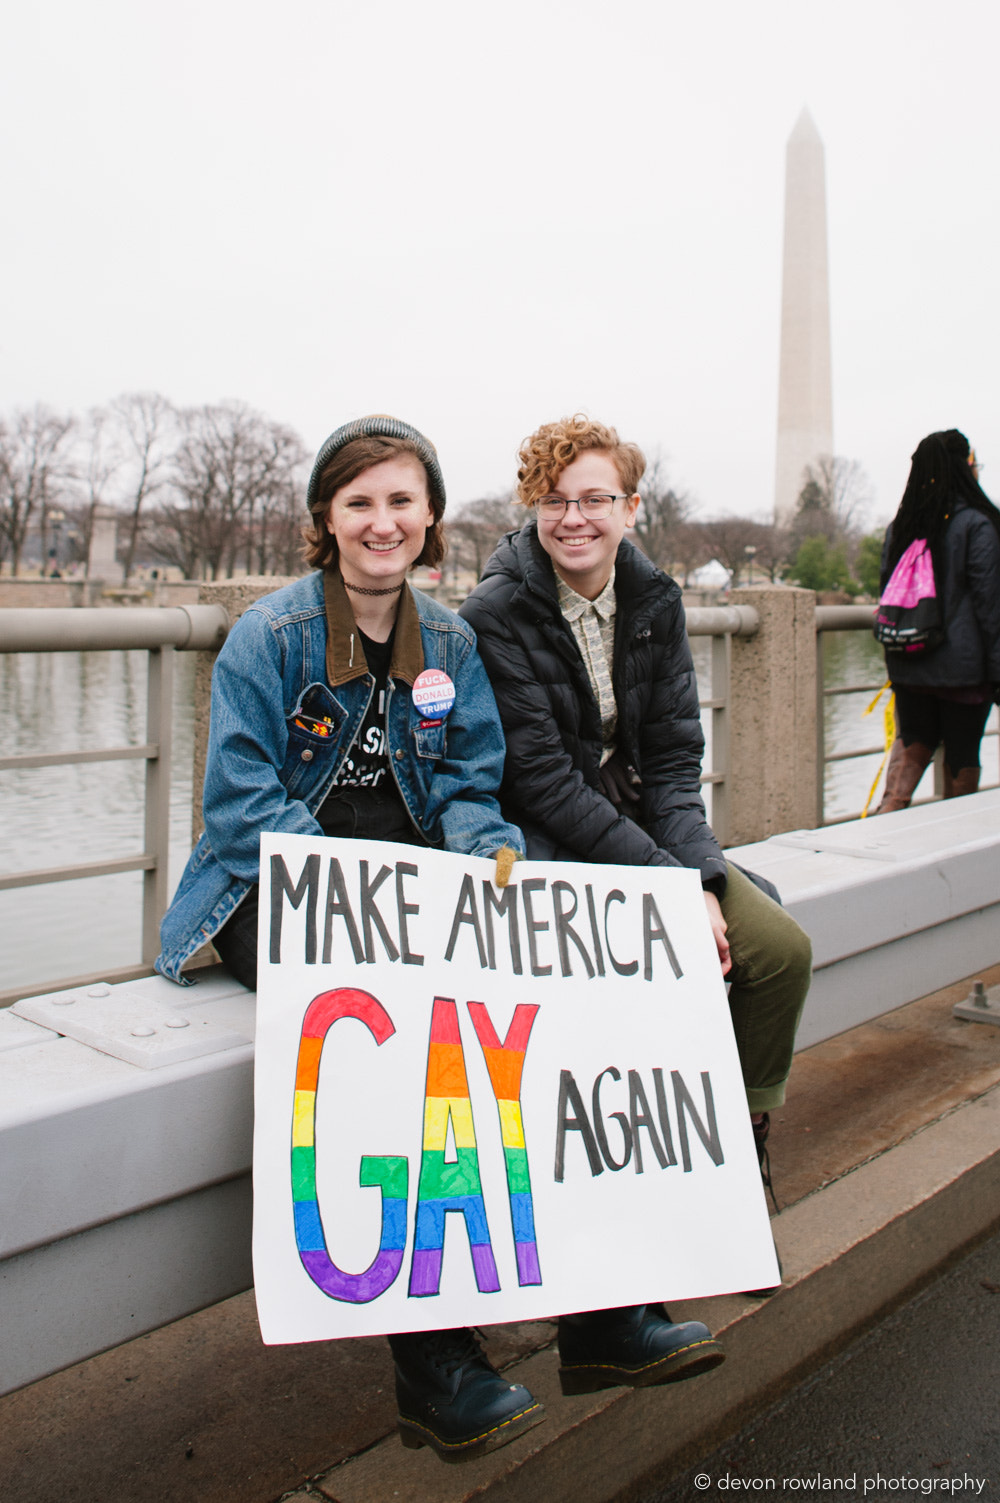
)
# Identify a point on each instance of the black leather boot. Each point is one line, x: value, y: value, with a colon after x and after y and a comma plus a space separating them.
x: 638, y: 1345
x: 452, y: 1400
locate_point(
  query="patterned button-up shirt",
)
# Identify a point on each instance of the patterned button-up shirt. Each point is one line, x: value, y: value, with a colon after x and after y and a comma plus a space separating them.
x: 592, y: 623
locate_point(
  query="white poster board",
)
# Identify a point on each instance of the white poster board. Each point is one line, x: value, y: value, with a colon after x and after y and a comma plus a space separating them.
x: 477, y: 1105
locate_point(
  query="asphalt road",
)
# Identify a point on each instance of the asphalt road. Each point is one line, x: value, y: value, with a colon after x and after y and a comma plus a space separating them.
x: 911, y: 1410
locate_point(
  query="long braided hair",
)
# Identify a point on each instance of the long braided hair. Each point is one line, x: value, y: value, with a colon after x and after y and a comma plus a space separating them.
x: 940, y: 476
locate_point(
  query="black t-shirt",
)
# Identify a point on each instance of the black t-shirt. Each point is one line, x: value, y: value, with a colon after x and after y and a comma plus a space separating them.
x: 367, y: 762
x: 365, y: 801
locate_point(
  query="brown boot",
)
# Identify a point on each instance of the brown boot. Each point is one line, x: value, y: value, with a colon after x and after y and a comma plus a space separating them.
x: 905, y: 769
x: 966, y: 780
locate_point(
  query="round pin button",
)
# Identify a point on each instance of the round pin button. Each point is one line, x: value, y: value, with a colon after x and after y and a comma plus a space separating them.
x: 433, y: 693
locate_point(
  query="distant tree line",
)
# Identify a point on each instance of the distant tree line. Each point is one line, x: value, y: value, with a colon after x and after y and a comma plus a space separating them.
x: 220, y: 489
x: 208, y: 489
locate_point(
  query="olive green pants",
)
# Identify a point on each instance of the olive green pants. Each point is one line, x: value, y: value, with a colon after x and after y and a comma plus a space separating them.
x: 769, y: 979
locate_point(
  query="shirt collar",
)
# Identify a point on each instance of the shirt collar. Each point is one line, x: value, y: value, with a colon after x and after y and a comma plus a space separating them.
x: 573, y: 606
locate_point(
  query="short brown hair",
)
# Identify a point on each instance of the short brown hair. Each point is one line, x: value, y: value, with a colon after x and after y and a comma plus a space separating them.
x: 350, y: 461
x: 552, y: 447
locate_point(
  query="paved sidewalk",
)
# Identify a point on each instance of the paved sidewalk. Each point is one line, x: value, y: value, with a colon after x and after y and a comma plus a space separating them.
x: 887, y: 1161
x: 910, y: 1409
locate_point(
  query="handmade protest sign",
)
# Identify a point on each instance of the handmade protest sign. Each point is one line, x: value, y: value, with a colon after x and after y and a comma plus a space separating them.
x: 476, y: 1105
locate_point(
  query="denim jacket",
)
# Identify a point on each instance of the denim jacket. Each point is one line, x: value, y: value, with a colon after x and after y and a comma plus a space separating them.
x: 265, y: 773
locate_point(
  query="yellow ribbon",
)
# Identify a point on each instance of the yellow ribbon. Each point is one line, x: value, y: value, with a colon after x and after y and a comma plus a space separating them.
x: 889, y: 723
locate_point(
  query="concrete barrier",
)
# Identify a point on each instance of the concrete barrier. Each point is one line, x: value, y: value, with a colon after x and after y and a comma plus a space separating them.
x: 125, y: 1190
x: 896, y: 906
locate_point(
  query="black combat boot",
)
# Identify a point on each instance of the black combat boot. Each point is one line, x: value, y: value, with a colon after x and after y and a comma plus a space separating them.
x: 638, y: 1345
x: 452, y: 1400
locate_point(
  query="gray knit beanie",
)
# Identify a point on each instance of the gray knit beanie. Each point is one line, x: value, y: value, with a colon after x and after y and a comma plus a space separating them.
x: 378, y: 425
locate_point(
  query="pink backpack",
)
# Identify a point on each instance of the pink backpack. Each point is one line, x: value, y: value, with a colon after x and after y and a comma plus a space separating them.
x: 908, y: 617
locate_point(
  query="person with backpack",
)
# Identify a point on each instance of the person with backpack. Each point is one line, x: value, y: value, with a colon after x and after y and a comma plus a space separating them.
x: 939, y: 618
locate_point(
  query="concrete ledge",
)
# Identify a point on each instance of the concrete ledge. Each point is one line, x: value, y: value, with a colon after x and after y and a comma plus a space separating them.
x: 123, y: 1278
x: 895, y: 906
x: 851, y: 1251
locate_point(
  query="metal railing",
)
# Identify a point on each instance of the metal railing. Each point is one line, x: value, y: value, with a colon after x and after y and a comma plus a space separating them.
x: 160, y: 631
x: 852, y: 618
x: 721, y: 623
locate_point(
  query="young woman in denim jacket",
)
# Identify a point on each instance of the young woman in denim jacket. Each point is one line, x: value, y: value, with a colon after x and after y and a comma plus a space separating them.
x: 314, y: 731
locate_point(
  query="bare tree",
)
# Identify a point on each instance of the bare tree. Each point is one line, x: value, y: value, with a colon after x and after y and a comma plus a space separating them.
x: 661, y: 517
x: 99, y: 461
x: 277, y: 495
x: 232, y: 467
x: 832, y: 504
x: 735, y: 541
x: 474, y: 531
x: 771, y: 544
x: 35, y: 468
x: 279, y: 539
x: 171, y: 537
x: 145, y: 425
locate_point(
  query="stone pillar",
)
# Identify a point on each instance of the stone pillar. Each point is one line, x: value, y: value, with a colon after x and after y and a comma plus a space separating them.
x: 773, y: 717
x: 234, y: 596
x: 102, y: 561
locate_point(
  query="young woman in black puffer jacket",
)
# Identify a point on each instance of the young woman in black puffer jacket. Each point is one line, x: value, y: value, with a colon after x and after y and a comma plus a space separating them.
x: 585, y: 645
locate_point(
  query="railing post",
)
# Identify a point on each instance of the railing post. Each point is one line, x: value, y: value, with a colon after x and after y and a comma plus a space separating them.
x: 159, y: 733
x: 772, y: 718
x: 722, y: 658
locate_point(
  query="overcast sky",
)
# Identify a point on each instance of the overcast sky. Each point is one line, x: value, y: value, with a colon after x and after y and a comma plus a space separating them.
x: 483, y: 216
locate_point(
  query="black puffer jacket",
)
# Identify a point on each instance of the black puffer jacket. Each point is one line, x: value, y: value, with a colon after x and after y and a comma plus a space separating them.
x: 552, y: 723
x: 970, y: 601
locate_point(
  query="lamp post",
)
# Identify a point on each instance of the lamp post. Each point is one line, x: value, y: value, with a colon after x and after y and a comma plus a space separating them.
x: 749, y: 550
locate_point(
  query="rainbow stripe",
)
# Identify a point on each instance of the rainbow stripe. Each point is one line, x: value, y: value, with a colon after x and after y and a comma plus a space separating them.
x: 449, y: 1185
x: 389, y: 1174
x: 505, y: 1063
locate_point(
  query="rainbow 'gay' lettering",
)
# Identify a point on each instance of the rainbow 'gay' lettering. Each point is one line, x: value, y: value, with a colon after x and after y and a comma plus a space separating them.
x: 390, y: 1174
x: 505, y: 1062
x: 445, y: 1185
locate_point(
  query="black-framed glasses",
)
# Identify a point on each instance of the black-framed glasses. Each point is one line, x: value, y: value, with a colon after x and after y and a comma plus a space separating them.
x: 553, y: 508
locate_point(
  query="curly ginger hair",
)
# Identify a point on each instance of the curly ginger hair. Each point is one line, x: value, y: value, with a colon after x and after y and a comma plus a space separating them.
x: 547, y: 452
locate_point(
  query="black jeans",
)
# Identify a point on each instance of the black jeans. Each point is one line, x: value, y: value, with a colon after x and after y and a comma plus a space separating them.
x: 926, y: 718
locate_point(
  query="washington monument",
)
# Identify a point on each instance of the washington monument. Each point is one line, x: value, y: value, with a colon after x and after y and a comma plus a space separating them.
x: 805, y: 404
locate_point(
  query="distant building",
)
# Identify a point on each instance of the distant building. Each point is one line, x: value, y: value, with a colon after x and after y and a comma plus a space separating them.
x: 805, y: 401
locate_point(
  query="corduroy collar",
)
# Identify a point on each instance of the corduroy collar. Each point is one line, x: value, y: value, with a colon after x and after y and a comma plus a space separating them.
x: 345, y: 653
